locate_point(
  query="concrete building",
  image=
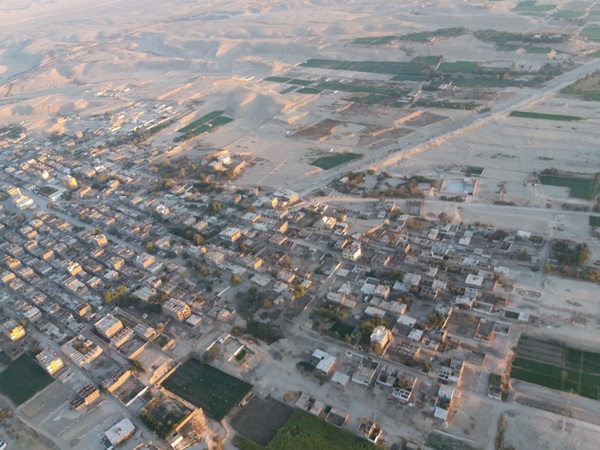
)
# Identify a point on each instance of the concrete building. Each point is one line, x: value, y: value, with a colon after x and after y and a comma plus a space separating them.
x: 50, y: 361
x: 108, y: 326
x: 353, y: 252
x: 177, y: 309
x: 230, y: 234
x: 381, y: 337
x: 120, y: 432
x: 13, y: 330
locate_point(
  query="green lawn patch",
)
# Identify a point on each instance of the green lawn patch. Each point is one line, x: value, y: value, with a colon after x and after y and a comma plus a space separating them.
x: 278, y: 79
x: 23, y: 378
x: 595, y: 54
x: 592, y: 33
x: 307, y: 432
x: 214, y: 391
x: 594, y: 221
x: 539, y: 50
x: 542, y: 116
x: 586, y: 188
x: 329, y: 162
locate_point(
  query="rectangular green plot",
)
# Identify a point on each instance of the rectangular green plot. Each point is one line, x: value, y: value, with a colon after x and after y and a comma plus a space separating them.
x: 544, y: 116
x: 308, y: 432
x: 299, y: 82
x: 307, y: 90
x: 357, y: 87
x: 201, y: 121
x: 318, y: 63
x: 536, y: 378
x: 290, y: 89
x: 531, y: 7
x: 592, y: 392
x: 278, y: 79
x: 573, y: 359
x: 594, y: 221
x: 586, y: 188
x: 23, y: 378
x: 566, y: 14
x: 214, y: 391
x: 589, y: 379
x: 222, y: 120
x: 592, y: 33
x: 458, y: 66
x: 371, y: 99
x: 377, y: 40
x: 329, y: 162
x: 538, y: 367
x: 539, y: 50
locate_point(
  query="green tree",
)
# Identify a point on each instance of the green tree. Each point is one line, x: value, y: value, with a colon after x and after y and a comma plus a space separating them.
x: 299, y: 291
x: 214, y: 206
x: 235, y: 280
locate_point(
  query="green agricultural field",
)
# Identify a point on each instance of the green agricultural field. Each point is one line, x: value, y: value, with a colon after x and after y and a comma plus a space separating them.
x: 308, y: 90
x: 23, y: 378
x: 539, y: 50
x: 529, y: 7
x: 592, y: 33
x: 371, y: 99
x: 458, y: 66
x: 205, y: 124
x: 586, y: 188
x: 376, y: 40
x: 558, y: 366
x: 300, y: 82
x: 426, y: 35
x: 382, y: 67
x: 329, y: 162
x: 542, y: 116
x: 214, y: 391
x: 595, y: 54
x: 566, y: 14
x: 594, y: 221
x: 359, y: 87
x: 290, y: 89
x: 201, y: 121
x: 278, y: 79
x: 307, y: 432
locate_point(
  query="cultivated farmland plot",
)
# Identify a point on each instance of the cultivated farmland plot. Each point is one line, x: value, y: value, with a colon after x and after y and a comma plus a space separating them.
x: 557, y: 366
